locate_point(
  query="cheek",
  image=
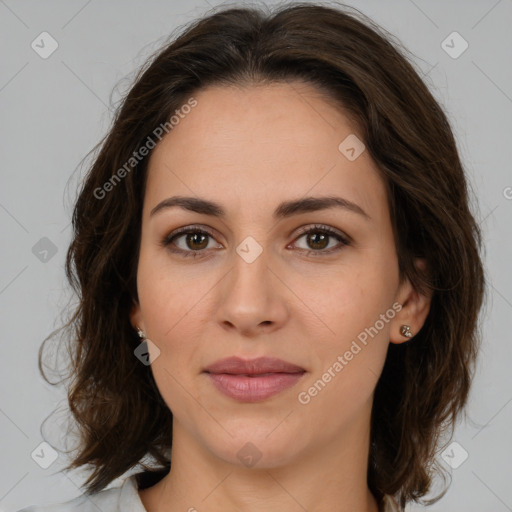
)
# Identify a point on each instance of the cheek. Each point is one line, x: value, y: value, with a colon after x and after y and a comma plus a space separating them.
x: 350, y: 300
x: 166, y: 295
x: 174, y: 307
x: 351, y: 305
x: 351, y: 357
x: 171, y: 312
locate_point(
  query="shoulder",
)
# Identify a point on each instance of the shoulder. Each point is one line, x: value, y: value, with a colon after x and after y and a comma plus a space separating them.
x: 389, y: 504
x: 115, y: 499
x: 107, y: 500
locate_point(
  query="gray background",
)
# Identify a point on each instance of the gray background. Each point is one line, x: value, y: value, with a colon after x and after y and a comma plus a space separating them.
x: 55, y: 110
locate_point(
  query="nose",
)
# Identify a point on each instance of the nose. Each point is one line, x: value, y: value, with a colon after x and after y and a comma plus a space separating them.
x: 252, y: 299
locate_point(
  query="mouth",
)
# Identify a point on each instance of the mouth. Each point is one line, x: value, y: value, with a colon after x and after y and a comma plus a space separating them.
x: 253, y: 380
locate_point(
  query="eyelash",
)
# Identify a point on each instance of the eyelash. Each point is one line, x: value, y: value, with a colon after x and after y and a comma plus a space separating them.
x: 317, y: 228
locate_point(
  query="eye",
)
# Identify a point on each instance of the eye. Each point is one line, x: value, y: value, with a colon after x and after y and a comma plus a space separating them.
x: 318, y: 237
x: 194, y: 241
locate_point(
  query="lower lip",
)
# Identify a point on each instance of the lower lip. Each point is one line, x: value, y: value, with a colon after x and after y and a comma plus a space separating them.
x: 254, y: 389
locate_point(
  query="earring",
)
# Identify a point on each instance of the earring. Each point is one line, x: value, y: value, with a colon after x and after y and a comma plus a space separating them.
x: 141, y: 334
x: 405, y: 330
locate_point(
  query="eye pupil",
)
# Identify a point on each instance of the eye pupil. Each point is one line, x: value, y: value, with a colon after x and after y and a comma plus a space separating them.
x: 314, y: 237
x: 193, y: 238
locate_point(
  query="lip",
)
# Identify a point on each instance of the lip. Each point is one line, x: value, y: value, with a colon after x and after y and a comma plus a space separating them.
x: 238, y: 366
x: 253, y: 380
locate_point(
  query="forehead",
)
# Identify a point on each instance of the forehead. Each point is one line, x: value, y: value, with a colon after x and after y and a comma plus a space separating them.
x: 259, y: 144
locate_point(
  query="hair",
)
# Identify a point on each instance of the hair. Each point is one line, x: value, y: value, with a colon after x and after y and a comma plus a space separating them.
x: 425, y: 382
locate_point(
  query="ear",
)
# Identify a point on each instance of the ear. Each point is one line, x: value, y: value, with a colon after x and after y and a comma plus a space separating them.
x: 415, y: 308
x: 136, y: 317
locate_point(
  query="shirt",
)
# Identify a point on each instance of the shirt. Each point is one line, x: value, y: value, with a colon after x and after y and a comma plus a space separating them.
x: 126, y: 499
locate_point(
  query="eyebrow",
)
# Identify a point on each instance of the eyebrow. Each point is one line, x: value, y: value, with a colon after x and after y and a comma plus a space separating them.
x: 284, y: 210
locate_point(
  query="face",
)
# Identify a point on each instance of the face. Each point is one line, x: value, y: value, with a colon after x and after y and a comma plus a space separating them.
x: 317, y: 287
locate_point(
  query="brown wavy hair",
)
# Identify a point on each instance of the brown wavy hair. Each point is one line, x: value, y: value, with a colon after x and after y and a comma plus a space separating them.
x: 122, y: 419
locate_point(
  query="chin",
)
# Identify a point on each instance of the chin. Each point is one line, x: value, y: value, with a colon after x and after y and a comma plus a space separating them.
x: 262, y: 447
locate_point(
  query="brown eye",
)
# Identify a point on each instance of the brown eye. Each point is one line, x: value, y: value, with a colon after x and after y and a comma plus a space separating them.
x: 318, y: 238
x: 196, y: 240
x: 188, y: 241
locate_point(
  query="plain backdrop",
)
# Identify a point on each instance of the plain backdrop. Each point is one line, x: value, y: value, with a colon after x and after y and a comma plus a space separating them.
x: 55, y: 109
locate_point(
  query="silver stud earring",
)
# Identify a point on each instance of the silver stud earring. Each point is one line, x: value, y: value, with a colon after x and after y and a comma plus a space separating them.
x: 405, y: 330
x: 141, y: 333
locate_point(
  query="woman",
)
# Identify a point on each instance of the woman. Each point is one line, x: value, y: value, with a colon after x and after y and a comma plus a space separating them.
x: 279, y: 275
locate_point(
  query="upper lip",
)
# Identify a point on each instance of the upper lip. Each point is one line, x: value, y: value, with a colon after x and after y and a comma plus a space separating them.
x: 238, y: 366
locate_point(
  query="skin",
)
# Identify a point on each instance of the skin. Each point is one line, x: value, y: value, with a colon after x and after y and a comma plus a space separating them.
x: 250, y: 148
